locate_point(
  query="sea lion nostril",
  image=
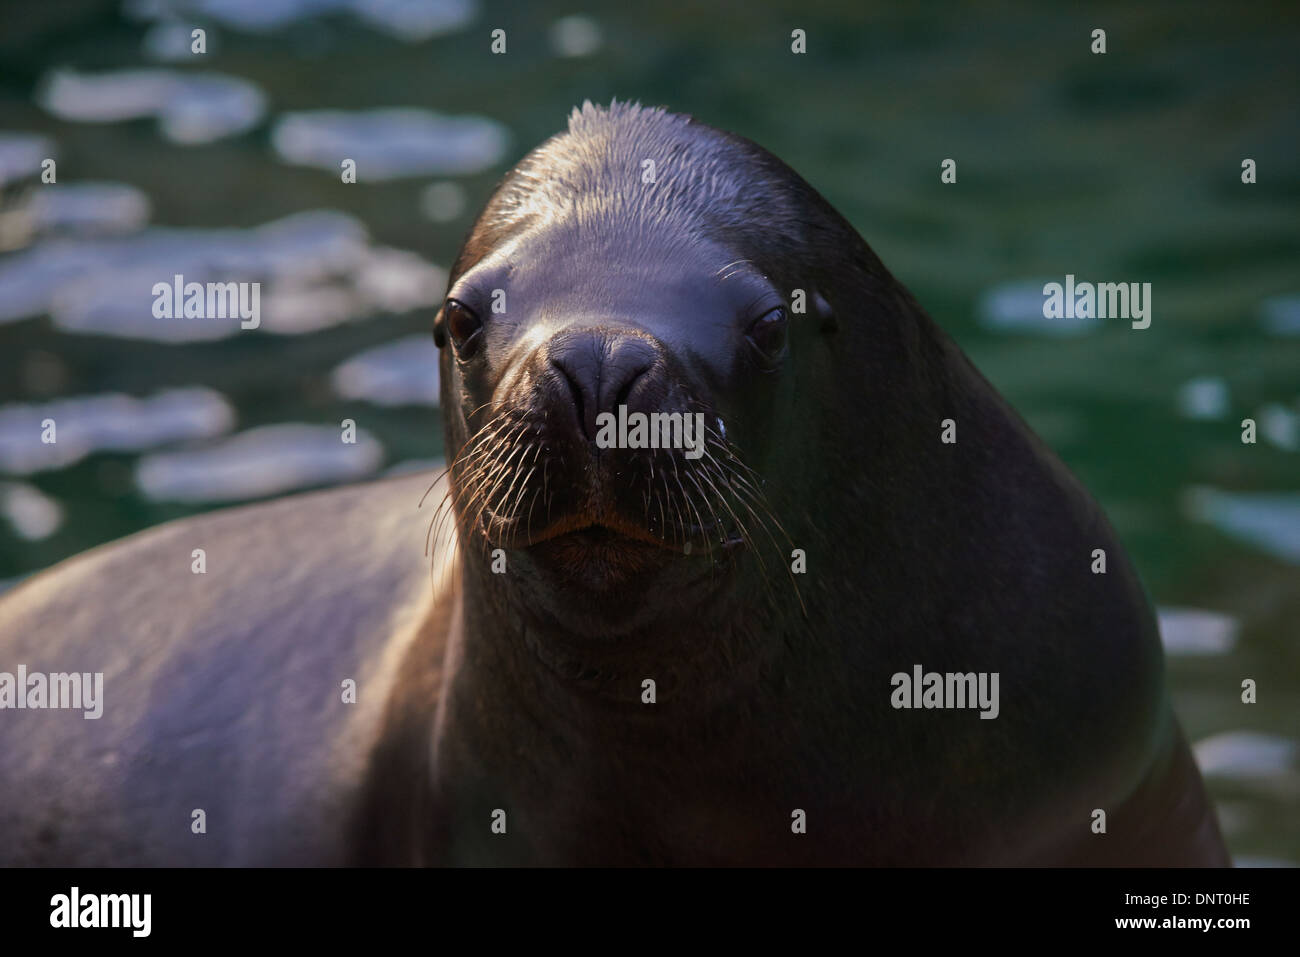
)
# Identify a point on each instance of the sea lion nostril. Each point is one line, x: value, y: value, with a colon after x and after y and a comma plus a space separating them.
x: 630, y: 380
x: 601, y: 370
x: 575, y: 392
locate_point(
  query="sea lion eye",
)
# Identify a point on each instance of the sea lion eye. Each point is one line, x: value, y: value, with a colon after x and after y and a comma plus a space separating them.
x: 767, y: 334
x: 462, y: 324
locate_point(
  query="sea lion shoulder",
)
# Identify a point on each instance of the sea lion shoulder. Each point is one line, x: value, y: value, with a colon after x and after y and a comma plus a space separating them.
x: 224, y: 690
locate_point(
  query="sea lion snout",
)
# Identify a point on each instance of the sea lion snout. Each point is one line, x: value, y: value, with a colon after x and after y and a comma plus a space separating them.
x: 618, y: 412
x: 603, y: 369
x: 600, y: 451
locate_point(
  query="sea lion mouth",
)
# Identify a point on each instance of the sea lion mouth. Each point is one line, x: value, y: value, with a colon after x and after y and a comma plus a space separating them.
x: 598, y: 558
x: 518, y: 485
x: 598, y: 543
x: 697, y: 538
x: 611, y: 532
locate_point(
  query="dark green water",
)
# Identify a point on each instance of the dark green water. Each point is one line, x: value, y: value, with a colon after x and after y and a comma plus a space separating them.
x: 1121, y: 167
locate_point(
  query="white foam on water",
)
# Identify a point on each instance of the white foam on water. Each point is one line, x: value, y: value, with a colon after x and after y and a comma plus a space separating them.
x: 1194, y: 631
x: 317, y: 270
x: 414, y: 20
x: 86, y: 208
x: 443, y: 201
x: 403, y: 372
x: 410, y: 20
x: 1246, y: 755
x: 264, y: 461
x: 1280, y: 426
x: 395, y: 280
x: 106, y: 286
x: 292, y: 308
x: 390, y: 143
x: 32, y: 514
x: 1018, y: 307
x: 1269, y: 521
x: 21, y: 155
x: 379, y: 279
x: 111, y: 423
x: 575, y: 36
x: 172, y: 41
x: 191, y: 108
x: 1281, y: 315
x: 259, y: 16
x: 1205, y: 397
x: 247, y: 15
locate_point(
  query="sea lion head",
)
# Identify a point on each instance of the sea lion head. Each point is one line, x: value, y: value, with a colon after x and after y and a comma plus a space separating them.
x: 643, y: 266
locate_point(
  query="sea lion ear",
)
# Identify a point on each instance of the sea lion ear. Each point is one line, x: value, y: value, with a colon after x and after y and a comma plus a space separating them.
x: 822, y: 310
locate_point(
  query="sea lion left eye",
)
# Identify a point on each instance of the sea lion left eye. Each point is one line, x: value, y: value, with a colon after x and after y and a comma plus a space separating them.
x: 767, y: 333
x: 462, y: 322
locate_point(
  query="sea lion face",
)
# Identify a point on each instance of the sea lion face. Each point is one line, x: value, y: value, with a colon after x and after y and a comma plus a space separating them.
x: 613, y: 367
x: 665, y: 343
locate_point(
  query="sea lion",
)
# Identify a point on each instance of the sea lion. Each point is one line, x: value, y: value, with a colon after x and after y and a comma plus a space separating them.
x: 696, y: 653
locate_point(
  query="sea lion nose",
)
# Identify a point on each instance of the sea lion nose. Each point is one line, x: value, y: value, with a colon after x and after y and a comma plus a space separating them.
x: 601, y: 368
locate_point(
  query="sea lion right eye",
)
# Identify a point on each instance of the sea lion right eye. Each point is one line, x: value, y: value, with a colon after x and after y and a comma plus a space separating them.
x: 767, y: 335
x: 463, y: 325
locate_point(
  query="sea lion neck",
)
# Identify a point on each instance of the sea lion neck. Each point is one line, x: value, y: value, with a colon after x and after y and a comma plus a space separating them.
x: 712, y: 644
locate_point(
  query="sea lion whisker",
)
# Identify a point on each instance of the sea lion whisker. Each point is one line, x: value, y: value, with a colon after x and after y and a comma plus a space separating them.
x: 690, y: 504
x: 434, y: 484
x: 509, y: 497
x: 489, y: 484
x: 747, y: 536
